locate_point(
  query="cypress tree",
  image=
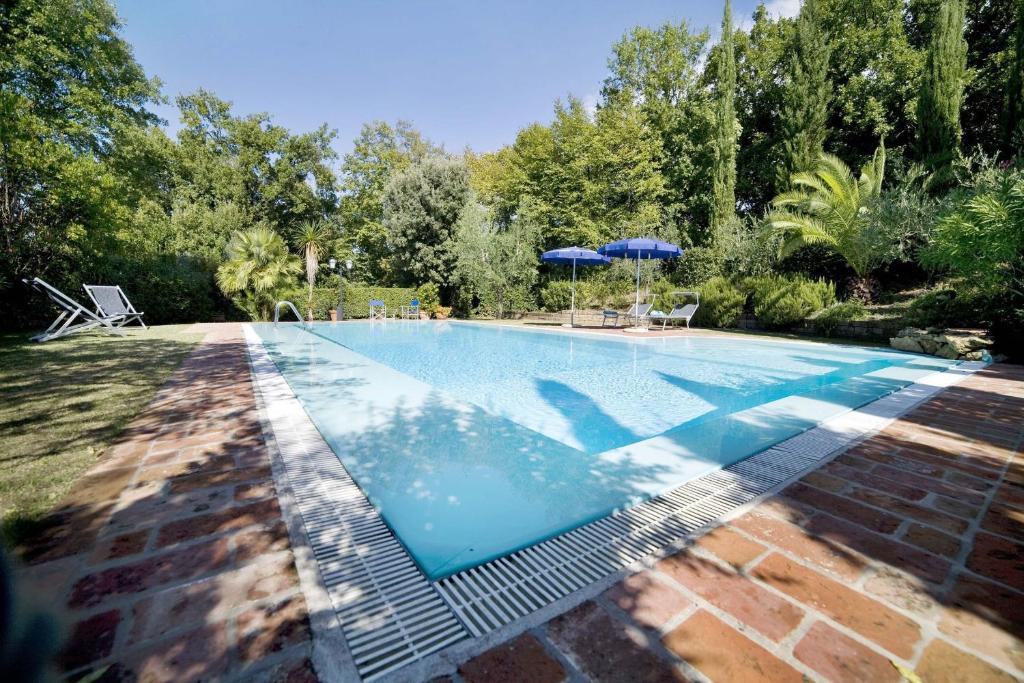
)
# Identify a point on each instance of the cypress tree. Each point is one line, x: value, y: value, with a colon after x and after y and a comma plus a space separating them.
x: 724, y: 187
x: 942, y: 85
x: 1013, y: 120
x: 807, y: 96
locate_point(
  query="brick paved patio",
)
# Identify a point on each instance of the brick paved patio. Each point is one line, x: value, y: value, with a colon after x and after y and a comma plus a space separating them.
x: 170, y: 554
x: 907, y: 549
x: 174, y: 562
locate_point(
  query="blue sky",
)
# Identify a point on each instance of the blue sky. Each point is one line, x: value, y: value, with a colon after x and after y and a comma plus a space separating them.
x: 466, y: 73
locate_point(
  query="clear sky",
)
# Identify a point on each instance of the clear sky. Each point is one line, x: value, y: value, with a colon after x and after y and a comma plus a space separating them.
x: 465, y: 72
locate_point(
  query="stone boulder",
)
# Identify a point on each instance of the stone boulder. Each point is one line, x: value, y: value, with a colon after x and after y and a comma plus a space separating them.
x: 951, y: 344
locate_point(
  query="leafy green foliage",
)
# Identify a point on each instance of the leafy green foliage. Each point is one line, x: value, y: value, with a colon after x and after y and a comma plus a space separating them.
x: 947, y: 306
x: 724, y: 170
x: 358, y: 297
x: 698, y: 265
x: 429, y: 296
x: 807, y: 96
x: 1013, y: 113
x: 421, y: 208
x: 312, y: 239
x: 721, y: 303
x: 829, y: 207
x: 556, y: 295
x: 827, y: 320
x: 258, y: 269
x: 942, y: 85
x: 781, y: 302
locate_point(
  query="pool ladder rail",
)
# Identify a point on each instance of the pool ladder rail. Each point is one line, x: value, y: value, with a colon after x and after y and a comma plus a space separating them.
x: 289, y: 304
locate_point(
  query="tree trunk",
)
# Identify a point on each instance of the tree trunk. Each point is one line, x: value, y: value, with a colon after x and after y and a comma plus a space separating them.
x: 866, y: 289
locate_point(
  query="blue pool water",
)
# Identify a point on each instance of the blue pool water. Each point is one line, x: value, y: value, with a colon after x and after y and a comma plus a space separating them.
x: 476, y: 440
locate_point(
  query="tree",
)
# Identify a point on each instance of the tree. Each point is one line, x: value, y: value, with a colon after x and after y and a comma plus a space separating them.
x: 312, y: 239
x: 1013, y: 117
x: 71, y: 94
x: 660, y: 71
x: 258, y: 268
x: 498, y: 266
x: 725, y: 126
x: 381, y: 151
x: 830, y: 207
x: 421, y: 208
x: 807, y: 95
x: 942, y: 86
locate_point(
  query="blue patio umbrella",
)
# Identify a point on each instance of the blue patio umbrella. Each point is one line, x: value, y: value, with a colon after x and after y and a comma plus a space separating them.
x: 638, y: 248
x: 574, y: 255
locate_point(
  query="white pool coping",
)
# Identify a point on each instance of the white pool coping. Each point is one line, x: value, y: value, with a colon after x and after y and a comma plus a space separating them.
x: 398, y: 625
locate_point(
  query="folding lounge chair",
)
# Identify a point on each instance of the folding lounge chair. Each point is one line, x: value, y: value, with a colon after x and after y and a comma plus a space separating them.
x: 378, y: 310
x: 71, y: 311
x: 635, y: 313
x: 112, y: 301
x: 412, y: 311
x: 681, y: 310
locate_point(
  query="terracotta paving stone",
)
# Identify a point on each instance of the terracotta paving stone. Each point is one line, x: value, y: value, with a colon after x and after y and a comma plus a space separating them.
x: 520, y: 659
x: 1004, y: 520
x: 648, y: 600
x: 199, y: 655
x: 922, y: 513
x: 930, y: 484
x: 187, y: 483
x: 955, y: 507
x: 870, y: 618
x: 234, y: 517
x: 760, y: 609
x: 724, y: 654
x: 987, y: 616
x: 92, y: 638
x: 880, y: 548
x: 998, y: 558
x: 875, y: 520
x: 819, y: 479
x: 840, y: 658
x: 943, y: 663
x: 901, y: 590
x: 272, y: 628
x: 932, y: 540
x: 604, y: 650
x: 876, y: 482
x: 793, y: 539
x: 730, y: 546
x: 119, y: 546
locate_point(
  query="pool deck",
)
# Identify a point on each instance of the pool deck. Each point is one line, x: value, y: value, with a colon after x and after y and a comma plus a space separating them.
x: 174, y: 561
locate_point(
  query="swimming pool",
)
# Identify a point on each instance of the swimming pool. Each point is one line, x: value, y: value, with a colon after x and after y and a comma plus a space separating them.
x: 476, y: 440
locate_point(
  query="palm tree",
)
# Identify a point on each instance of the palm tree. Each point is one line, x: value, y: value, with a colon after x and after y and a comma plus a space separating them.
x: 830, y: 207
x: 258, y: 268
x: 312, y: 239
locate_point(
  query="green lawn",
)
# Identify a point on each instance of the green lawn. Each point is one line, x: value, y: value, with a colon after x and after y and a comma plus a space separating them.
x: 63, y: 402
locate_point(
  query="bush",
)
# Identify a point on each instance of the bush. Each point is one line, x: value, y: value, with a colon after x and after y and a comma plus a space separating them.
x: 827, y: 320
x: 698, y: 265
x: 721, y: 303
x: 781, y: 302
x: 557, y: 296
x: 947, y: 307
x: 169, y: 289
x: 429, y: 296
x: 357, y: 299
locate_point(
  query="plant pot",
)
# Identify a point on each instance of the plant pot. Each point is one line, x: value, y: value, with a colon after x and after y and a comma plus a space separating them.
x: 334, y: 315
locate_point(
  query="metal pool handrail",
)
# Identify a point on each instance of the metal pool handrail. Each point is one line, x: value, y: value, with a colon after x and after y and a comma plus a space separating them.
x: 289, y: 304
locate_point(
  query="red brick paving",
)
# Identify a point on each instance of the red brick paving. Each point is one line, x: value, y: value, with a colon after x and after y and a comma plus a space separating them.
x: 906, y: 550
x: 170, y: 554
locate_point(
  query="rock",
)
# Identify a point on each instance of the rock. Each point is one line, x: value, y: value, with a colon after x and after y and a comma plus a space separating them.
x: 951, y: 344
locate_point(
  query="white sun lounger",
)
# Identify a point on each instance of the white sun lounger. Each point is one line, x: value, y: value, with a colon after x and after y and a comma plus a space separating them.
x: 636, y: 313
x: 680, y: 311
x: 71, y: 311
x: 111, y: 302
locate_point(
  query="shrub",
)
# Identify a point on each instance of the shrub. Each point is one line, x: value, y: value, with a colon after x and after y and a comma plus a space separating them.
x: 429, y: 296
x: 557, y: 295
x: 721, y: 303
x: 358, y: 297
x: 827, y: 320
x: 698, y: 265
x: 947, y: 307
x: 781, y: 302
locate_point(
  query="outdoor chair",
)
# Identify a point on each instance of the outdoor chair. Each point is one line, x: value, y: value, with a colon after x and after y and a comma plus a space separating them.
x: 636, y: 313
x: 412, y: 311
x: 680, y: 311
x: 378, y: 310
x: 111, y: 302
x: 71, y: 311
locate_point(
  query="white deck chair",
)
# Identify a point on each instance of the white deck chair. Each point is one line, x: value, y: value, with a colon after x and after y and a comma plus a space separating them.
x: 378, y: 310
x: 680, y: 311
x: 636, y: 313
x: 71, y: 311
x: 412, y: 311
x: 112, y: 301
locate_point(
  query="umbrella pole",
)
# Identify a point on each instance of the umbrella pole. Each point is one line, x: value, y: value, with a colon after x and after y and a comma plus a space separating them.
x: 572, y: 309
x: 636, y: 311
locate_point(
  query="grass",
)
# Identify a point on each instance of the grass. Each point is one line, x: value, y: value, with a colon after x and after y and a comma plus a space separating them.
x: 63, y: 402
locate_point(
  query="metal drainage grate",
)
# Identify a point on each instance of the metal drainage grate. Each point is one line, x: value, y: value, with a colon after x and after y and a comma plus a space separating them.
x: 390, y: 613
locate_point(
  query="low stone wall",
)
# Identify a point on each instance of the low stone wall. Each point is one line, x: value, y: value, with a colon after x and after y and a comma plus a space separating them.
x: 877, y: 330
